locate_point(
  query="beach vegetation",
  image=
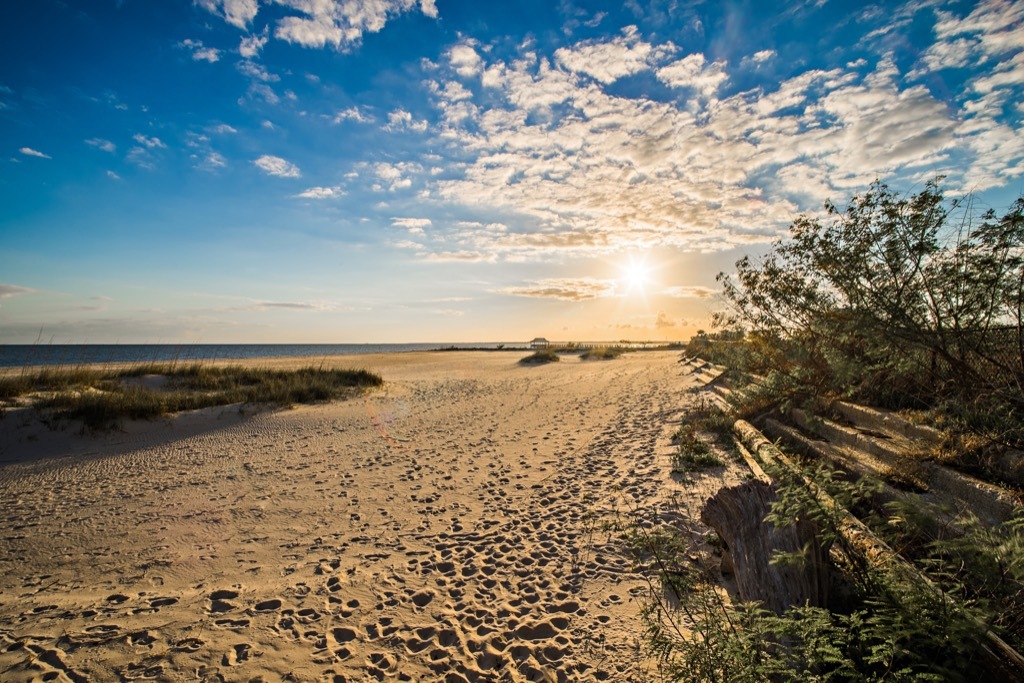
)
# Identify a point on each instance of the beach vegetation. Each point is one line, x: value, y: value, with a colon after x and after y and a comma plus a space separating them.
x: 100, y: 398
x: 692, y: 452
x: 540, y: 357
x: 880, y: 623
x: 602, y: 353
x: 906, y: 302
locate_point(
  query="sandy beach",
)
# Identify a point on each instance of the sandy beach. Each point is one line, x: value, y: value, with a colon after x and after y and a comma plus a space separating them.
x: 448, y: 526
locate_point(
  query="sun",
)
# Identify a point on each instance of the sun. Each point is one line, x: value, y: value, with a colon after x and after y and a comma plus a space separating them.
x: 635, y: 276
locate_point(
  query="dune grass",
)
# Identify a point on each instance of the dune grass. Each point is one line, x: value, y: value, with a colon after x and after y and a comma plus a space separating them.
x: 101, y: 398
x: 602, y: 353
x: 540, y: 357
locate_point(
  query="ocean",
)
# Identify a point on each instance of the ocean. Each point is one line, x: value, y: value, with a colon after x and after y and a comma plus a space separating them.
x: 17, y: 355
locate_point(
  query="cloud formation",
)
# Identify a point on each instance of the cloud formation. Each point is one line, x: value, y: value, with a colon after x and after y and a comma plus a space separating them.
x: 101, y: 144
x: 29, y: 152
x: 7, y: 291
x: 200, y: 53
x: 321, y: 193
x: 690, y: 292
x: 238, y: 13
x: 150, y: 142
x: 587, y: 170
x: 276, y: 166
x: 564, y: 289
x: 316, y: 23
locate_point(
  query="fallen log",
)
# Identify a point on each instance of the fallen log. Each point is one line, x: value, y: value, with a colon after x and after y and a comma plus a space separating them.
x: 738, y: 514
x: 999, y: 659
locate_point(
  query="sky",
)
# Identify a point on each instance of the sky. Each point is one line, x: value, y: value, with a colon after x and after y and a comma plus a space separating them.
x: 348, y: 171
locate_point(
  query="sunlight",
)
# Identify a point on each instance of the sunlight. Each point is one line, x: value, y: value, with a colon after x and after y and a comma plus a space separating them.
x: 635, y: 276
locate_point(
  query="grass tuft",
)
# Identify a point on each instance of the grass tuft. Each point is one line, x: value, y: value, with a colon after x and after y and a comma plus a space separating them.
x: 540, y: 357
x: 602, y: 353
x: 692, y: 453
x: 100, y: 398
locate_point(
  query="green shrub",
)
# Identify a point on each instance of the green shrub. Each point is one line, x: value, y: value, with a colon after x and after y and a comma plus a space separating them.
x: 602, y: 353
x: 101, y: 398
x: 540, y: 357
x: 881, y: 625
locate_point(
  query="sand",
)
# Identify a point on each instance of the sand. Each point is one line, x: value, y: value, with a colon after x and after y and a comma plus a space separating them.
x: 451, y: 526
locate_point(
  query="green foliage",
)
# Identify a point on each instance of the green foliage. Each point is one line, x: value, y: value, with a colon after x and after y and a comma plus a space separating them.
x: 882, y: 625
x: 540, y: 357
x: 979, y: 564
x: 905, y: 301
x: 602, y: 353
x: 101, y: 398
x: 692, y: 452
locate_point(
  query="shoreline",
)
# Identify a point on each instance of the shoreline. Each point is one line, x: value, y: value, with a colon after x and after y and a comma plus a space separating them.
x: 21, y: 356
x: 449, y: 524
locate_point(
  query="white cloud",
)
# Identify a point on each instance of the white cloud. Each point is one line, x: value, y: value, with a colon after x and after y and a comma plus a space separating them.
x: 113, y: 176
x: 276, y: 166
x: 460, y: 257
x: 141, y: 157
x: 263, y: 92
x: 257, y: 72
x: 199, y: 51
x: 101, y: 144
x: 758, y: 58
x: 564, y: 289
x: 28, y: 151
x: 321, y: 193
x: 690, y: 292
x: 236, y: 12
x: 429, y: 7
x: 341, y: 24
x: 213, y: 161
x: 252, y: 45
x: 586, y: 172
x: 608, y: 61
x: 693, y: 71
x: 415, y: 226
x: 353, y: 114
x: 465, y: 60
x: 151, y: 143
x: 395, y: 176
x: 223, y: 129
x: 400, y: 119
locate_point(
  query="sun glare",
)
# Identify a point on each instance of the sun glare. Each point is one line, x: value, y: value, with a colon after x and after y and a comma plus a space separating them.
x: 635, y: 276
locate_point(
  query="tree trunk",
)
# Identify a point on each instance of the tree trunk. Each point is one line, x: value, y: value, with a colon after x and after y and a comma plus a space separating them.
x: 737, y: 515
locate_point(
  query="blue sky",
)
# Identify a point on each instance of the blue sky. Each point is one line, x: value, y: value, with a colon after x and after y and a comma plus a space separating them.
x: 456, y: 170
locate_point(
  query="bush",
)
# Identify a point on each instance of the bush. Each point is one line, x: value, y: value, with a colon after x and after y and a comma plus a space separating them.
x: 540, y: 357
x: 602, y: 353
x: 900, y: 301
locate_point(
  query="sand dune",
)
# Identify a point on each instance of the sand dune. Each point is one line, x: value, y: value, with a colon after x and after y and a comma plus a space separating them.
x: 446, y: 527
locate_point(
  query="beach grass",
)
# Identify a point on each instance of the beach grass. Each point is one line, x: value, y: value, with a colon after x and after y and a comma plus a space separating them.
x: 101, y: 398
x: 692, y: 452
x: 602, y: 353
x: 540, y: 357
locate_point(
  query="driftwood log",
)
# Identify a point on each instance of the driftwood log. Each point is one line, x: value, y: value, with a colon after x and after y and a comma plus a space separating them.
x: 737, y: 514
x: 999, y: 661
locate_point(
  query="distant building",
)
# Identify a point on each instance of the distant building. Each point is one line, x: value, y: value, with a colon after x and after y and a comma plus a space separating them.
x: 540, y: 343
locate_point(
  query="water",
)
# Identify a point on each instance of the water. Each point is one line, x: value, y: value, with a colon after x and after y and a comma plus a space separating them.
x: 15, y: 355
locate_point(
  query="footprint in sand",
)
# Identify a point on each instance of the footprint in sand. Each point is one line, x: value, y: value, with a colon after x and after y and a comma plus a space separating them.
x: 268, y: 605
x: 220, y: 601
x: 238, y: 654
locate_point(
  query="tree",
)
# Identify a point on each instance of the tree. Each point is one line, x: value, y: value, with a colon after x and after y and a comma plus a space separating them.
x: 917, y: 294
